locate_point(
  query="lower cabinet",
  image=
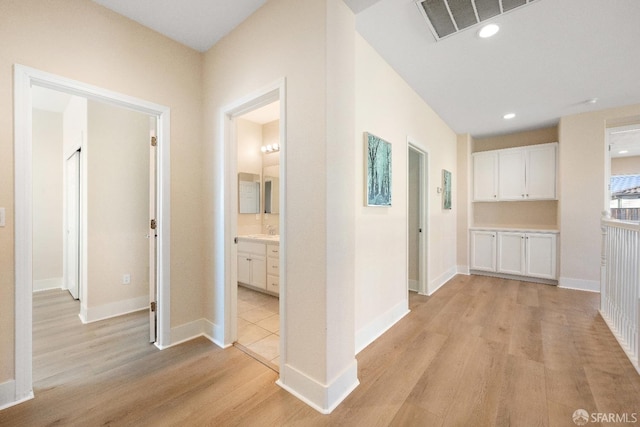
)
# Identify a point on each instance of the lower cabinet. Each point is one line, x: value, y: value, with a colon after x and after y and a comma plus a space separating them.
x: 531, y: 254
x: 259, y: 265
x: 252, y: 264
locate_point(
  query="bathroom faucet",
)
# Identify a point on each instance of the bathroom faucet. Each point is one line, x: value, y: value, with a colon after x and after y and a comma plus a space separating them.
x: 271, y: 230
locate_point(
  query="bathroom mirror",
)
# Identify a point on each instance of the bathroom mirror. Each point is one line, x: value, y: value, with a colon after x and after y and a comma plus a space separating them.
x: 248, y: 193
x: 271, y: 189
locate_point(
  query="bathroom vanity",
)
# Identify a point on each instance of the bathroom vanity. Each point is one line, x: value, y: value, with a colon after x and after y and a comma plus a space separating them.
x: 259, y: 262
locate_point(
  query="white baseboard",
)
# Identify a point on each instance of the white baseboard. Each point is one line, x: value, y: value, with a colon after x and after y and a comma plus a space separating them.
x: 463, y: 269
x: 380, y: 325
x: 437, y: 283
x: 579, y: 284
x: 8, y: 395
x: 106, y: 311
x: 324, y: 398
x: 46, y: 284
x: 195, y: 329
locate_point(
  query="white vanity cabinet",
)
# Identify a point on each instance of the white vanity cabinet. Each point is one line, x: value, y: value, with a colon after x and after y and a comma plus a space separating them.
x: 521, y: 173
x: 273, y: 268
x: 514, y: 252
x: 252, y: 264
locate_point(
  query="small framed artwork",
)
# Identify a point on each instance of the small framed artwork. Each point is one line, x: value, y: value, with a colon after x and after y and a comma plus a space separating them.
x: 378, y: 171
x: 446, y: 189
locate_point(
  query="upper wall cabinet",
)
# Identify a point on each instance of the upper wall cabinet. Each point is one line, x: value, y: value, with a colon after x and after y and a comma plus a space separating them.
x: 522, y: 173
x: 485, y: 176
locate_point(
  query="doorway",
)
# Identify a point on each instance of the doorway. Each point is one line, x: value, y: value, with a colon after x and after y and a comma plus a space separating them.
x: 265, y: 256
x: 417, y: 227
x: 25, y: 79
x: 623, y: 172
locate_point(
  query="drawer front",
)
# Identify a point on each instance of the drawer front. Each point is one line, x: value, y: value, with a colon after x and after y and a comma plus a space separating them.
x: 273, y: 284
x: 273, y: 266
x: 252, y: 248
x: 273, y: 250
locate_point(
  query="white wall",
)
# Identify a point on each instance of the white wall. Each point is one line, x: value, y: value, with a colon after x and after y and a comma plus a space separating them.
x: 583, y: 194
x: 47, y: 200
x: 117, y: 158
x: 388, y: 108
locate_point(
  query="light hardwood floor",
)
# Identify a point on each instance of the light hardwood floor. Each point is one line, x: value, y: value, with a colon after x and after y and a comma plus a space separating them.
x: 480, y: 352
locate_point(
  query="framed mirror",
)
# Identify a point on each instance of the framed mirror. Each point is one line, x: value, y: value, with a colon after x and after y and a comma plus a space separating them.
x: 248, y: 193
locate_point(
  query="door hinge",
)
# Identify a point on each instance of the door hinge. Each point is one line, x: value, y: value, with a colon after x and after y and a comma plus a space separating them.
x: 153, y: 224
x: 153, y: 306
x: 154, y: 141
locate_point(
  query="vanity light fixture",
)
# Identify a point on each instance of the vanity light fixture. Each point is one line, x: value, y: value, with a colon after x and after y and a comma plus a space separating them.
x: 270, y: 148
x: 509, y: 116
x: 488, y: 31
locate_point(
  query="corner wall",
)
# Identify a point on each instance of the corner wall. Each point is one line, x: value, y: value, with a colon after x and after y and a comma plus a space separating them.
x: 583, y: 191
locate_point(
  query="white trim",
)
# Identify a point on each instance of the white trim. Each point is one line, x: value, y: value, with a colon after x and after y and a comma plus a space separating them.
x: 424, y: 220
x: 47, y: 284
x: 226, y: 198
x: 324, y: 398
x: 441, y: 280
x: 579, y: 284
x: 381, y: 324
x: 24, y: 78
x: 113, y: 309
x: 7, y: 394
x: 198, y: 328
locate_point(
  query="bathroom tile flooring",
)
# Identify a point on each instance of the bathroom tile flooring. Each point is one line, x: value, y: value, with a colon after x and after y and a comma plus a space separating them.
x: 259, y: 326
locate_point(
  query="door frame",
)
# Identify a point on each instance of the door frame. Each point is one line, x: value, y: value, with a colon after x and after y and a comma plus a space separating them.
x: 423, y: 245
x: 24, y: 78
x: 227, y: 228
x: 77, y: 196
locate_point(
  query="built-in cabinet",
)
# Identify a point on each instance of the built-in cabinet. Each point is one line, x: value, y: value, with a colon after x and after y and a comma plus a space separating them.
x: 521, y: 173
x: 515, y: 252
x: 259, y: 264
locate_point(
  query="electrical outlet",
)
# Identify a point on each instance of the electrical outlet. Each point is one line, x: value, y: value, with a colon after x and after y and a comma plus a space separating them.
x: 126, y: 279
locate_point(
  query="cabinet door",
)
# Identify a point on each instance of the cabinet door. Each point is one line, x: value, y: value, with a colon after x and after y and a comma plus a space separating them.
x: 483, y: 250
x: 541, y: 255
x: 541, y: 172
x: 511, y: 173
x: 485, y: 176
x: 259, y: 273
x: 244, y: 268
x: 511, y: 250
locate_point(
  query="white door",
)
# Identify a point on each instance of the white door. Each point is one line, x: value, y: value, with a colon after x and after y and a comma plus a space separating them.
x: 153, y: 234
x: 414, y: 220
x: 72, y: 225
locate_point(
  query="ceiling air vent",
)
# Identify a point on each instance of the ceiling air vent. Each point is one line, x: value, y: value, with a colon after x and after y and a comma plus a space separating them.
x: 447, y: 17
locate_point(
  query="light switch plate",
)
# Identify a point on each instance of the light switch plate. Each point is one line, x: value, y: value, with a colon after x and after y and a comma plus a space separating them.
x: 2, y: 217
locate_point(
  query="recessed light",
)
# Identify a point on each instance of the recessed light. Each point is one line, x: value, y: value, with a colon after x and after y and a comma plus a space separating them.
x: 509, y: 116
x: 591, y: 101
x: 623, y: 151
x: 488, y: 31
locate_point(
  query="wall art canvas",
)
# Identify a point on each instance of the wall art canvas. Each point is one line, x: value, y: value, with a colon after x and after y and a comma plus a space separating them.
x: 378, y: 165
x: 446, y: 189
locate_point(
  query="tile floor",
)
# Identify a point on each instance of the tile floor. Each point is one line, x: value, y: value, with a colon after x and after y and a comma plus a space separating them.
x: 259, y: 324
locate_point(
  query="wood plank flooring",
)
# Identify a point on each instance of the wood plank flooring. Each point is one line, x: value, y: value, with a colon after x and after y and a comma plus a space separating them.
x: 480, y: 352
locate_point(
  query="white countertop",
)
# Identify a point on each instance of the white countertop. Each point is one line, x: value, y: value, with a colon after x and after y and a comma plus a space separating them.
x: 515, y: 229
x: 273, y: 239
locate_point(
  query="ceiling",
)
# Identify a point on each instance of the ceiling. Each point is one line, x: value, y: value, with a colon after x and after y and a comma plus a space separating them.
x: 549, y: 58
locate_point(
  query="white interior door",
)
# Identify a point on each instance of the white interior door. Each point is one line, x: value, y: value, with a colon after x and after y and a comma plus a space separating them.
x: 153, y: 234
x: 414, y: 203
x: 72, y: 226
